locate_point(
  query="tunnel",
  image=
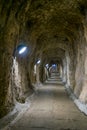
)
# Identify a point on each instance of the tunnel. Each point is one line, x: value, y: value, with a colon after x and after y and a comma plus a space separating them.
x: 43, y: 43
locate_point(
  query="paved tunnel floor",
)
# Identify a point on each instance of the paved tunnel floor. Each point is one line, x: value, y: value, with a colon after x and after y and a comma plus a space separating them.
x: 52, y: 109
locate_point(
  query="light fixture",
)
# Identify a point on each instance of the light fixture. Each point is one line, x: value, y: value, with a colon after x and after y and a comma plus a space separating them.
x: 38, y: 62
x: 22, y: 50
x: 47, y: 66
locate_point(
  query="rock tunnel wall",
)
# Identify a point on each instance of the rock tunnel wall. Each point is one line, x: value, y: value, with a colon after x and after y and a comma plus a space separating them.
x: 83, y: 59
x: 21, y: 85
x: 15, y: 82
x: 80, y: 58
x: 5, y: 65
x: 14, y: 76
x: 76, y: 67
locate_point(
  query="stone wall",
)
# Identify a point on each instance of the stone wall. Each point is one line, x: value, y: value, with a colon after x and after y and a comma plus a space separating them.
x: 5, y: 63
x: 79, y: 73
x: 83, y: 94
x: 21, y: 82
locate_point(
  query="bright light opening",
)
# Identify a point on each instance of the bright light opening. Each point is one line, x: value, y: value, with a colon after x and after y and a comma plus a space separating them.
x: 54, y: 65
x: 22, y: 50
x: 38, y: 62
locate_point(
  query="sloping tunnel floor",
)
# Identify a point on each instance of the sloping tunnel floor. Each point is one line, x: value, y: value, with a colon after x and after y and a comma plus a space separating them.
x: 51, y: 109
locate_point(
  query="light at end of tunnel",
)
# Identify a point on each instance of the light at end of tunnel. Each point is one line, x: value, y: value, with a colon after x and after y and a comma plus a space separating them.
x: 54, y: 65
x: 22, y: 50
x: 38, y: 62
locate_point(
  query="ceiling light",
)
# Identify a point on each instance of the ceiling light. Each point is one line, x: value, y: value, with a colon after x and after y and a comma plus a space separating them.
x: 22, y: 50
x: 38, y: 62
x: 47, y: 65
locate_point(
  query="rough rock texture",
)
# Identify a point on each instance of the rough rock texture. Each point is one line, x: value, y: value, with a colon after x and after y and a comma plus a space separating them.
x: 55, y: 31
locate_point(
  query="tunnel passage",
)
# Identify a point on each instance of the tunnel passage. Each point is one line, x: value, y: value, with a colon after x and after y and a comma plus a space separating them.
x: 55, y: 33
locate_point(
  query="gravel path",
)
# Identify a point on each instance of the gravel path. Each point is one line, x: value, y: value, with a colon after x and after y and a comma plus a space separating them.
x: 51, y: 109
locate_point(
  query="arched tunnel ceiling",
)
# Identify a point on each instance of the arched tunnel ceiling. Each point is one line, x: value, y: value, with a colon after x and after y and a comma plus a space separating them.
x: 53, y: 60
x: 53, y: 55
x: 54, y: 23
x: 49, y: 23
x: 55, y: 17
